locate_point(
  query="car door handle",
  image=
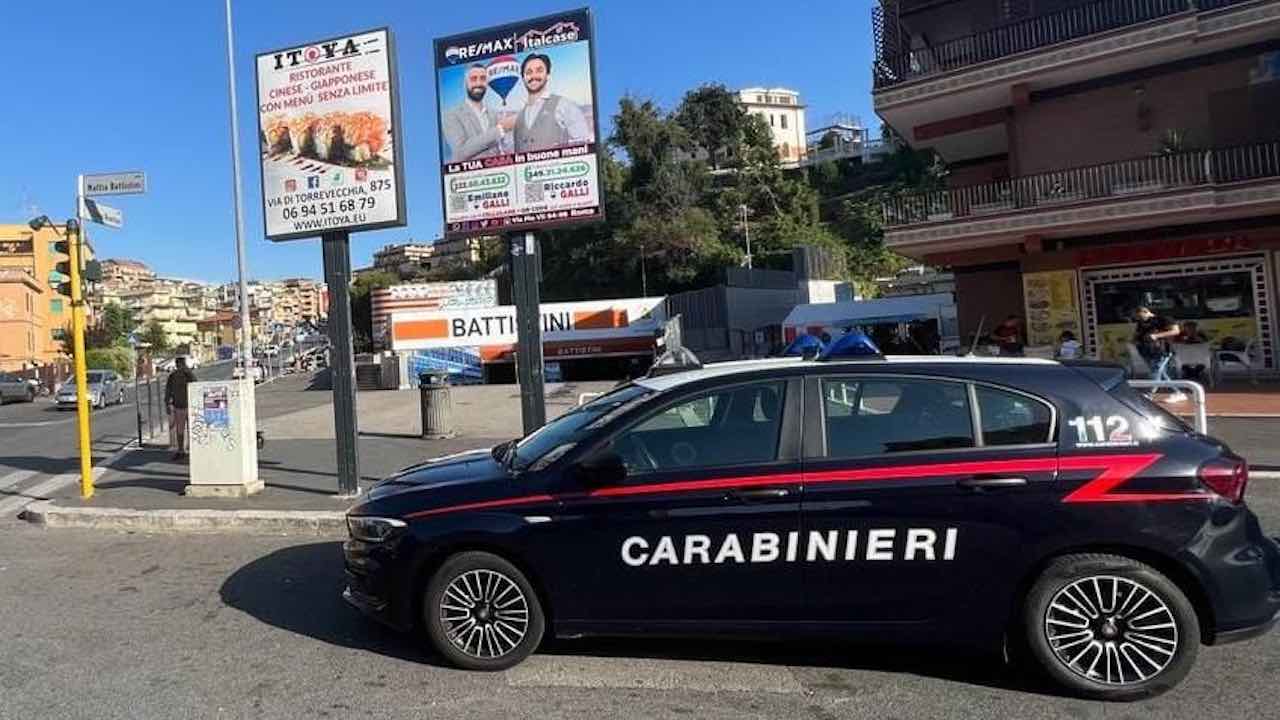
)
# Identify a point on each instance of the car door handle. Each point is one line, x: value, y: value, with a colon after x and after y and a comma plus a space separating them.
x: 757, y: 494
x: 983, y: 482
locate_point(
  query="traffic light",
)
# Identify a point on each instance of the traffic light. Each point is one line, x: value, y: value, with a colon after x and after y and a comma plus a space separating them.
x: 63, y: 268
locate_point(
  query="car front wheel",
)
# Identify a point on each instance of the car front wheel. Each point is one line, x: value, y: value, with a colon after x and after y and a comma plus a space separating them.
x: 1108, y: 627
x: 481, y: 613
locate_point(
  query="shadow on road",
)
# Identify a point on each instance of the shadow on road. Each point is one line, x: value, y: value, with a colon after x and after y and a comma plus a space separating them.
x: 299, y: 589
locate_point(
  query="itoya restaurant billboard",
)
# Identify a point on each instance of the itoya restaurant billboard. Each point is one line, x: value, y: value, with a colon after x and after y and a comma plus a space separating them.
x: 329, y: 134
x: 518, y: 126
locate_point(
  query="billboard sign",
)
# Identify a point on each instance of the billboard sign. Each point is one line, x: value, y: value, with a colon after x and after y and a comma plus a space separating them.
x: 519, y: 126
x: 329, y: 137
x: 585, y: 322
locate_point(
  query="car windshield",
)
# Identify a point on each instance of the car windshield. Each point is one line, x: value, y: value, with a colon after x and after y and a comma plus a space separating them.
x: 92, y: 378
x: 553, y: 440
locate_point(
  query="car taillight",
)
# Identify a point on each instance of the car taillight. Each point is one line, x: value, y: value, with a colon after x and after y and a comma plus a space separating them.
x: 1227, y: 478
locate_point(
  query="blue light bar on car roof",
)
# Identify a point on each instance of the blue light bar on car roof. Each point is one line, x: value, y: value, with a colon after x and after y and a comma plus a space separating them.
x: 851, y: 345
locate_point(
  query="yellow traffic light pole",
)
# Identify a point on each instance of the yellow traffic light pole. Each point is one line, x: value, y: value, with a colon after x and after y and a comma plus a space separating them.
x: 82, y: 386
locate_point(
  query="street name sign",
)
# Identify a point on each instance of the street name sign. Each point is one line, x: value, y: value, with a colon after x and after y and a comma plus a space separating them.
x: 123, y: 183
x: 95, y: 211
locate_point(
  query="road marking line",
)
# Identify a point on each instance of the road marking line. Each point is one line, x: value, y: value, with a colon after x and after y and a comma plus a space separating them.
x: 42, y: 423
x: 16, y: 478
x: 44, y: 489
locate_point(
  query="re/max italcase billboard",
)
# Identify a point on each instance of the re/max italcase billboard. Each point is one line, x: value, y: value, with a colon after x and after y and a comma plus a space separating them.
x: 519, y: 129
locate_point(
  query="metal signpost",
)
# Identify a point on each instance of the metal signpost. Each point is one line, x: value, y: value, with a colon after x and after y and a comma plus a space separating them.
x: 88, y: 210
x: 329, y: 128
x: 516, y: 106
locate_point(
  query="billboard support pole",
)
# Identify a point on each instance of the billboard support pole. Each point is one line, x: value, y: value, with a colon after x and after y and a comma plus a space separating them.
x: 337, y: 273
x: 526, y: 277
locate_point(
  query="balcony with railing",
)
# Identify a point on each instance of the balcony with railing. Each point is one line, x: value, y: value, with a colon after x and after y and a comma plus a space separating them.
x: 1041, y: 31
x: 1114, y: 181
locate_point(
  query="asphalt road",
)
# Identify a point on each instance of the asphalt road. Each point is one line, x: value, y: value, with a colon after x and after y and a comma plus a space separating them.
x: 109, y: 625
x: 39, y: 437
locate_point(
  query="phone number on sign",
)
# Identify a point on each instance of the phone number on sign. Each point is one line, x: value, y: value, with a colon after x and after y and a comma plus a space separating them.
x: 331, y: 207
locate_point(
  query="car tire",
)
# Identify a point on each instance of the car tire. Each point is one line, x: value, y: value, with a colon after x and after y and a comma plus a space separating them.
x: 1089, y: 618
x: 460, y: 596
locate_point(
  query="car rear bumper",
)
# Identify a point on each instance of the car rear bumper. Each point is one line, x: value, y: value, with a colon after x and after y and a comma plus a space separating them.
x: 1245, y: 633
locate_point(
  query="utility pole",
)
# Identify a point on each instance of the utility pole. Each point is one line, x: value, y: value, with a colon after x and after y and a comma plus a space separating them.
x: 77, y: 343
x: 246, y: 320
x: 746, y: 230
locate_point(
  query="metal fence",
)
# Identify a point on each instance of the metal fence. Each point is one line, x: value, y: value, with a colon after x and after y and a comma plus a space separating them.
x: 1036, y: 32
x: 148, y: 404
x: 1095, y: 182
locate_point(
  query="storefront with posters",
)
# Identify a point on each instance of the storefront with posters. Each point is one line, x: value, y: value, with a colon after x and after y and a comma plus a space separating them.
x: 1225, y: 283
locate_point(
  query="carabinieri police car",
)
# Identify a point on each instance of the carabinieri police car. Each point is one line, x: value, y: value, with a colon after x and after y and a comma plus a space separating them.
x: 991, y: 502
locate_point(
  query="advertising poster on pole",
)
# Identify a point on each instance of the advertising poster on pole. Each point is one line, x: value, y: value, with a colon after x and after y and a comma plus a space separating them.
x: 519, y: 126
x: 329, y: 135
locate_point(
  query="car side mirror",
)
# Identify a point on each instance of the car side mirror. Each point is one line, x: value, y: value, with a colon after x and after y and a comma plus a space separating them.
x: 603, y: 468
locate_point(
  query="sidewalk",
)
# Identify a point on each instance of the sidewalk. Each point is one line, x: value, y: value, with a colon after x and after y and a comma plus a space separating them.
x: 143, y: 489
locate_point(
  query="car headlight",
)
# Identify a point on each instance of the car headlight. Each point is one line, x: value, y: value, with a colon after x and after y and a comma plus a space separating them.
x: 373, y: 529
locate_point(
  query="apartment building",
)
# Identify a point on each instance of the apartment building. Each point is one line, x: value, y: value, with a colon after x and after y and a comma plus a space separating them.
x: 33, y: 314
x: 1102, y: 155
x: 121, y: 272
x: 782, y: 110
x: 398, y: 257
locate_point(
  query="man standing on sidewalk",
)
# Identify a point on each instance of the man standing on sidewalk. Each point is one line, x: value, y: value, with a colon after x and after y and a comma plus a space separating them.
x: 175, y: 400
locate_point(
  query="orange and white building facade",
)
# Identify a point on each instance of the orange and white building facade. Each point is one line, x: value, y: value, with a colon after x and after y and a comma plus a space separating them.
x: 1102, y: 154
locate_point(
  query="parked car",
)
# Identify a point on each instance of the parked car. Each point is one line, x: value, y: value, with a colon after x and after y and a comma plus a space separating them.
x: 1026, y: 504
x: 105, y: 388
x: 13, y: 387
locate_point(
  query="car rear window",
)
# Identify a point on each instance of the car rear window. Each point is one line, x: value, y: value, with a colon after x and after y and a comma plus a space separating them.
x: 1152, y: 411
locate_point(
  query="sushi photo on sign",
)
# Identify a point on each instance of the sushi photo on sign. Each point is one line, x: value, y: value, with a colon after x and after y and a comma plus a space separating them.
x: 329, y: 133
x: 518, y: 127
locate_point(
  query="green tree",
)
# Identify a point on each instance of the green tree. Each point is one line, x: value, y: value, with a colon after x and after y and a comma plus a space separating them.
x: 154, y: 335
x: 362, y: 306
x: 113, y: 327
x: 714, y: 121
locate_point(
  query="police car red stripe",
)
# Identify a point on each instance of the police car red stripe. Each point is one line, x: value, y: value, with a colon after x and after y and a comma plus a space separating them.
x: 1116, y: 470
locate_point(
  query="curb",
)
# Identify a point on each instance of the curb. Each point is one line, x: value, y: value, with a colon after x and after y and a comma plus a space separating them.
x: 318, y: 522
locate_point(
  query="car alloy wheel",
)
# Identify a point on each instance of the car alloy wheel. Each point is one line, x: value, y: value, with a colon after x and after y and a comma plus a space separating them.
x: 1111, y: 630
x: 1109, y: 627
x: 481, y: 612
x: 485, y: 614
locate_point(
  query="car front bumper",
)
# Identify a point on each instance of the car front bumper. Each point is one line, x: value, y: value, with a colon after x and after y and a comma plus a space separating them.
x: 374, y: 586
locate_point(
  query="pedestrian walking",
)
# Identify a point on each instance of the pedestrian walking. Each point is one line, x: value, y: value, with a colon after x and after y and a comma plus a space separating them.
x: 1151, y: 335
x: 175, y: 400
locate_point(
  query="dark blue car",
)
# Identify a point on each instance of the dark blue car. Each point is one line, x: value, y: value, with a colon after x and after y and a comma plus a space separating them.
x: 1022, y: 504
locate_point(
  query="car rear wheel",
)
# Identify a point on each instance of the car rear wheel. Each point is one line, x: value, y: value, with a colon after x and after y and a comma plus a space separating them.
x: 481, y: 613
x: 1108, y: 627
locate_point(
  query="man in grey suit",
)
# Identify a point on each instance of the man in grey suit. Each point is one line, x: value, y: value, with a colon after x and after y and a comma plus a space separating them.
x: 472, y: 129
x: 548, y: 120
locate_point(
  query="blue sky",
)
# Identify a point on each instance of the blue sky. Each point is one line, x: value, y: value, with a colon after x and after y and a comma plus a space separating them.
x: 141, y: 84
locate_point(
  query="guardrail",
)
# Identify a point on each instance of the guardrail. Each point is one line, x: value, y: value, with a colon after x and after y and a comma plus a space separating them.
x: 1030, y: 34
x: 1197, y: 392
x: 1106, y: 181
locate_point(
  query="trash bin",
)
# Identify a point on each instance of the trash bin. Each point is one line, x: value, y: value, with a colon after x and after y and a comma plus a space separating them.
x: 437, y: 405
